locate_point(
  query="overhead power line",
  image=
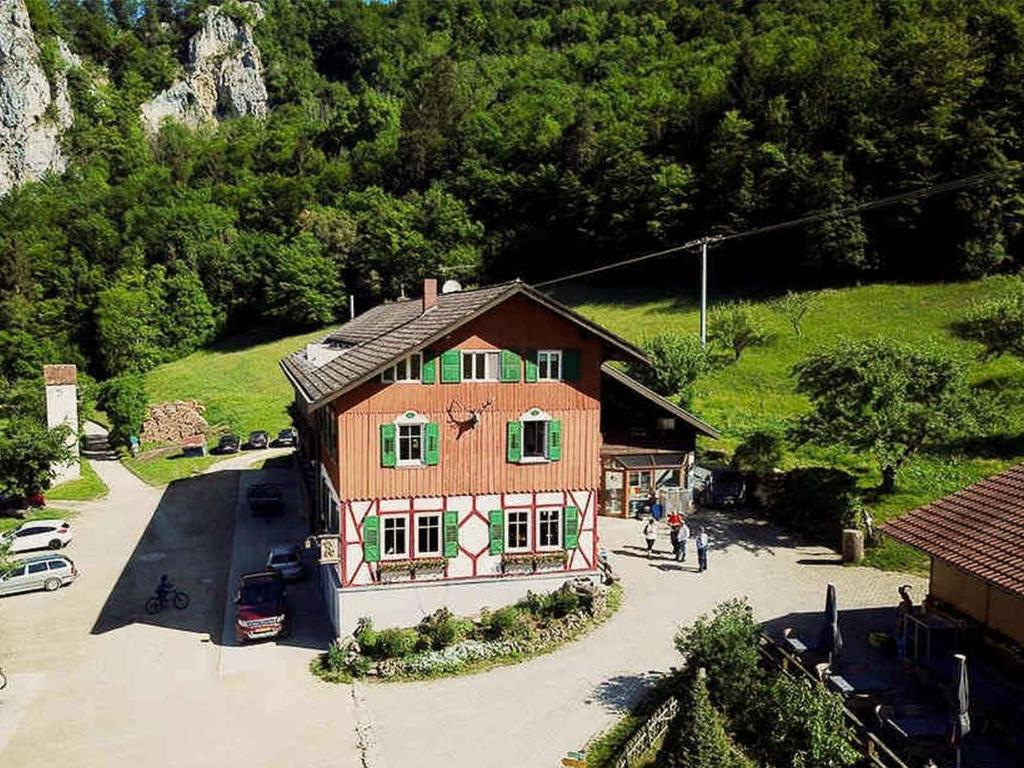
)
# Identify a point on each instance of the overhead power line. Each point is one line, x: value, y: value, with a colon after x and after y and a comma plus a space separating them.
x: 809, y: 218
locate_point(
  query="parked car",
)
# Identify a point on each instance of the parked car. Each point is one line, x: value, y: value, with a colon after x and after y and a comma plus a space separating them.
x: 727, y: 489
x: 262, y: 611
x: 39, y: 534
x: 287, y: 438
x: 47, y: 572
x: 265, y: 498
x: 258, y: 439
x: 286, y: 559
x: 228, y: 444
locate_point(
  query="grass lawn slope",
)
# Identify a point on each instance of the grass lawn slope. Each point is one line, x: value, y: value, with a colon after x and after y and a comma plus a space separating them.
x: 86, y: 488
x: 239, y: 382
x: 757, y: 392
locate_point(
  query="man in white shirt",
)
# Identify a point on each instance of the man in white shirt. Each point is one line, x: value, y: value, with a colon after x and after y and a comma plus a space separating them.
x: 703, y: 542
x: 683, y: 538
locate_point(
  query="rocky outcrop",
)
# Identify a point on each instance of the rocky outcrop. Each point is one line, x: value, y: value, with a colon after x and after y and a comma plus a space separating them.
x: 34, y: 112
x: 223, y: 74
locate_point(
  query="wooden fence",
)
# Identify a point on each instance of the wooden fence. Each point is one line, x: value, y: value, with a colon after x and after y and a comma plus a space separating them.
x: 647, y: 736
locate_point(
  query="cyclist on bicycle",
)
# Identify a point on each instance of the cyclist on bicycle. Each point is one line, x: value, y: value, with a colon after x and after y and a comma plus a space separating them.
x: 164, y: 588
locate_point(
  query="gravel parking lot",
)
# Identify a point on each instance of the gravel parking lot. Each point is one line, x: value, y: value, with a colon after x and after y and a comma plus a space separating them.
x: 95, y: 680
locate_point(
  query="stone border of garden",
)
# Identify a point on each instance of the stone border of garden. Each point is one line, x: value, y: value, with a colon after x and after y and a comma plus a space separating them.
x: 493, y: 639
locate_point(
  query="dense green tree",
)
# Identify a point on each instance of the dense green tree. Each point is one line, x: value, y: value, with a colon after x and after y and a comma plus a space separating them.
x: 759, y: 452
x: 698, y: 737
x: 885, y: 398
x: 28, y: 452
x: 735, y: 328
x: 124, y: 401
x: 676, y: 362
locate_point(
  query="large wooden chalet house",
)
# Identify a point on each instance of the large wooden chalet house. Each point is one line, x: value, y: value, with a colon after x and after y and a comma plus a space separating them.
x: 462, y: 445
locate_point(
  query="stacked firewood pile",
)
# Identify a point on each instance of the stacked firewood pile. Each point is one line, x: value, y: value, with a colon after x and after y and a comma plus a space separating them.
x: 173, y: 422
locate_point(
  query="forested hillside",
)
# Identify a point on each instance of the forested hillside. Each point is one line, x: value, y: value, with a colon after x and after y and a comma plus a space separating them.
x: 485, y: 139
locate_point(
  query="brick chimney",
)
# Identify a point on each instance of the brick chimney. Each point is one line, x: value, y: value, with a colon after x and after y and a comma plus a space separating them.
x: 429, y: 294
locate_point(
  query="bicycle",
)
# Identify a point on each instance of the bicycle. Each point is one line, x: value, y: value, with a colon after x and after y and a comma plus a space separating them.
x: 180, y: 601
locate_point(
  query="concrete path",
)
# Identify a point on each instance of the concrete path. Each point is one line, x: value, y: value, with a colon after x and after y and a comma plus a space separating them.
x: 533, y: 713
x: 94, y: 680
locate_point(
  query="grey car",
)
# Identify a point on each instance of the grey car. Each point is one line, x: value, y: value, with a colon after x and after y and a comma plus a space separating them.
x: 286, y: 559
x: 47, y: 572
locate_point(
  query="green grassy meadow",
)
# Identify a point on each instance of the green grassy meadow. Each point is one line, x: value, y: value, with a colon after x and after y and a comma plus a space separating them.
x: 757, y: 392
x: 241, y: 386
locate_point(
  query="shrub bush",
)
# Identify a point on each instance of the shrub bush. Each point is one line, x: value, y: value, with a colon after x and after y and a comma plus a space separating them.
x: 697, y: 737
x: 366, y: 636
x: 553, y: 605
x: 396, y: 642
x: 817, y: 501
x: 442, y: 629
x: 760, y: 452
x: 506, y: 623
x: 725, y: 645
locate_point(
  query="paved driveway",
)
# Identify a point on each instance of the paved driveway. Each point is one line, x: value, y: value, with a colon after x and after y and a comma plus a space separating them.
x: 94, y: 681
x: 530, y: 715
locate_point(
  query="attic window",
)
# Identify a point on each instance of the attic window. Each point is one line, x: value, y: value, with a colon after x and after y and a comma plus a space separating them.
x: 405, y: 370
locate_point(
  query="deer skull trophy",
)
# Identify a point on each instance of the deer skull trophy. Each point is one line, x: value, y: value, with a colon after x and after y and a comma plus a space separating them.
x: 465, y: 418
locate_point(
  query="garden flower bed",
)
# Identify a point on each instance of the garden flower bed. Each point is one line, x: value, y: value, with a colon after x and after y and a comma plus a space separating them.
x: 443, y: 644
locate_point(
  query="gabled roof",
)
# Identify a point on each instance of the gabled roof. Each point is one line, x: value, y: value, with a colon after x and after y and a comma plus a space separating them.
x: 701, y: 426
x: 369, y: 343
x: 979, y: 530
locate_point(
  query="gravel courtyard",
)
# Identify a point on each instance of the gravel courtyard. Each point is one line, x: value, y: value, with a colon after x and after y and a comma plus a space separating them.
x: 94, y: 679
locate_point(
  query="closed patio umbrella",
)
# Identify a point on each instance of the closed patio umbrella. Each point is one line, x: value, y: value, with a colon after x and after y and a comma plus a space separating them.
x: 960, y: 718
x: 831, y: 638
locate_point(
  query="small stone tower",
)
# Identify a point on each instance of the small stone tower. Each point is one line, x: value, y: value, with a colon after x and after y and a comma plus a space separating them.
x: 62, y: 408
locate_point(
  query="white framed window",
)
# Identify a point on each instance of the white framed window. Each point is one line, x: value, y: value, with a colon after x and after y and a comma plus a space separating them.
x: 480, y: 366
x: 535, y: 438
x: 517, y: 530
x: 407, y: 370
x: 410, y: 444
x: 395, y: 536
x: 549, y: 529
x: 549, y: 365
x: 428, y: 535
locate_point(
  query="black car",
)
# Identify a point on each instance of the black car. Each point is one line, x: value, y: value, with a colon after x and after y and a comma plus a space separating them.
x: 287, y: 437
x: 265, y: 498
x: 228, y: 444
x: 258, y: 439
x: 728, y: 489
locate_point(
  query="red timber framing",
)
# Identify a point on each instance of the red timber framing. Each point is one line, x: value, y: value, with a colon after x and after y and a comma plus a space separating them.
x: 579, y: 559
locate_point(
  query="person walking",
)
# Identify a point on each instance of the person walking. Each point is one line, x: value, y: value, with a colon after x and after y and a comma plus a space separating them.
x: 703, y: 541
x: 656, y: 508
x: 650, y: 534
x: 684, y: 538
x: 675, y: 522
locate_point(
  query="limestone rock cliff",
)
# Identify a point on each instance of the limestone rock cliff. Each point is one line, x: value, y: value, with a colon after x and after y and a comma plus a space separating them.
x: 34, y: 112
x: 223, y: 75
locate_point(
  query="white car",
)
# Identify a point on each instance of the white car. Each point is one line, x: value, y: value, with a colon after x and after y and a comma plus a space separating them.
x: 286, y: 559
x: 39, y: 534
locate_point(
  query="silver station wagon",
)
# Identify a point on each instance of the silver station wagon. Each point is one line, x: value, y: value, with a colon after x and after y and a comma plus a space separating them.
x: 47, y: 572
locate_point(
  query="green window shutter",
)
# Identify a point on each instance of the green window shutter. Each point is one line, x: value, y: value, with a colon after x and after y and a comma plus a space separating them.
x: 515, y: 441
x: 531, y: 365
x: 451, y: 366
x: 554, y: 447
x: 433, y: 451
x: 428, y: 373
x: 371, y: 539
x: 388, y: 452
x: 511, y: 366
x: 571, y: 364
x: 497, y: 520
x: 451, y: 534
x: 572, y: 528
